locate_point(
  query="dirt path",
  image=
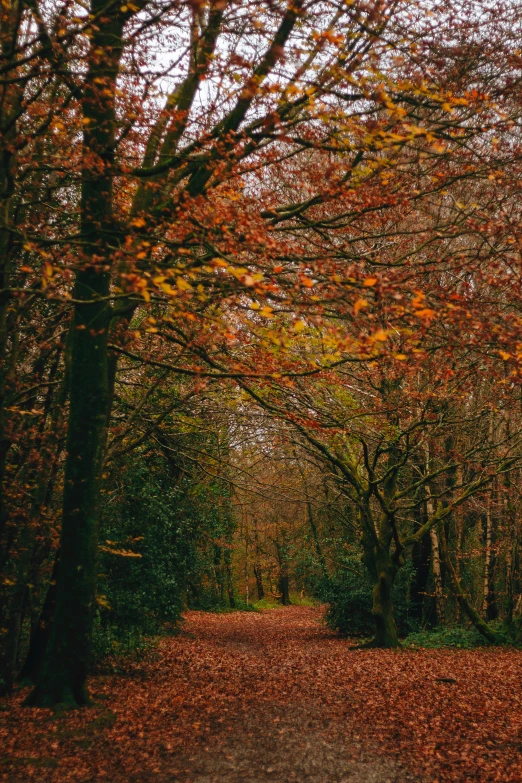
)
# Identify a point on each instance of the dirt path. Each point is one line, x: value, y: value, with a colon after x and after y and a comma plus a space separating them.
x: 273, y: 696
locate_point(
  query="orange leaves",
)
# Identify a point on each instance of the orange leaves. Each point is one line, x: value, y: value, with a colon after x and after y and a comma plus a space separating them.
x: 359, y: 305
x: 381, y: 335
x: 425, y: 312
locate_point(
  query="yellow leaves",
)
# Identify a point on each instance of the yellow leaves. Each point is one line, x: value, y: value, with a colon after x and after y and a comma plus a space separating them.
x: 168, y: 289
x: 266, y: 312
x: 359, y: 304
x: 241, y: 273
x: 102, y: 602
x: 138, y: 222
x: 426, y: 312
x: 183, y: 285
x: 299, y: 326
x: 401, y: 357
x: 48, y: 270
x: 370, y: 281
x: 504, y: 355
x: 120, y: 552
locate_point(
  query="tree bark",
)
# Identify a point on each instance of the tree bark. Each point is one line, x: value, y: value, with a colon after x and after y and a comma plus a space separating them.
x: 284, y: 588
x: 437, y: 576
x: 41, y: 632
x: 64, y: 672
x: 259, y: 581
x: 489, y: 600
x: 384, y: 572
x: 481, y: 626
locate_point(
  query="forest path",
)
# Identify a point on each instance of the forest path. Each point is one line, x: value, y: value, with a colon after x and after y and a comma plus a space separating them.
x: 274, y: 696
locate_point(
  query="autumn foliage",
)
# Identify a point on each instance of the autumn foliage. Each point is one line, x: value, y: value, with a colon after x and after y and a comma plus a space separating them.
x: 260, y: 340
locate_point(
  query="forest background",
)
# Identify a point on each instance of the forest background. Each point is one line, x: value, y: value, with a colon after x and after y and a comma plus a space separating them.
x: 260, y: 323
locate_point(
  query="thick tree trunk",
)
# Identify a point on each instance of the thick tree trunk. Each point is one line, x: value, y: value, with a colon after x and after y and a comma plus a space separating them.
x: 64, y: 671
x: 384, y: 572
x: 41, y: 632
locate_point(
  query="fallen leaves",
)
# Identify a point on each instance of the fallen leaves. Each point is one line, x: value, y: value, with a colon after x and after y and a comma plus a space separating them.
x: 447, y: 716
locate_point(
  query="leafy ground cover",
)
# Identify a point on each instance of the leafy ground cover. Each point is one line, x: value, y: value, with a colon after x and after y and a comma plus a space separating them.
x: 274, y: 696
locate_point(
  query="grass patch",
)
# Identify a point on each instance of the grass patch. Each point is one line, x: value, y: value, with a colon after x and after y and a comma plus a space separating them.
x: 295, y: 599
x: 456, y: 637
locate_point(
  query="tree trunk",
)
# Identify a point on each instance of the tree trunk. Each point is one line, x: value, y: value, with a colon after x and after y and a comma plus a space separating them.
x: 259, y: 581
x: 41, y: 632
x: 8, y: 664
x: 420, y: 555
x: 511, y: 562
x: 489, y: 599
x: 481, y: 626
x: 64, y: 672
x: 258, y: 571
x: 230, y: 583
x: 437, y: 576
x: 384, y: 573
x: 435, y: 553
x: 284, y: 587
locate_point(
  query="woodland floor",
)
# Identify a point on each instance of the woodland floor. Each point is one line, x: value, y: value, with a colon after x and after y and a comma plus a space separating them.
x: 274, y: 696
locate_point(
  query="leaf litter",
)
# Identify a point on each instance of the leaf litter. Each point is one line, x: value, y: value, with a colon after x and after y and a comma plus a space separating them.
x: 275, y: 696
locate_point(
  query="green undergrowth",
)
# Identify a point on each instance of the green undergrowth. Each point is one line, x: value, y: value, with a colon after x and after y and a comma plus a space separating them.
x: 295, y: 599
x: 240, y: 606
x: 457, y: 637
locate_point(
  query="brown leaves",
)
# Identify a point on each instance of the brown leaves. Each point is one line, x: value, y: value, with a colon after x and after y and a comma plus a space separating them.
x: 445, y: 715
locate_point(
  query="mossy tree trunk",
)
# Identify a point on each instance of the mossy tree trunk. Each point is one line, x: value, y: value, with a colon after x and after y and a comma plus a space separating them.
x: 64, y: 672
x: 383, y: 571
x: 481, y: 626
